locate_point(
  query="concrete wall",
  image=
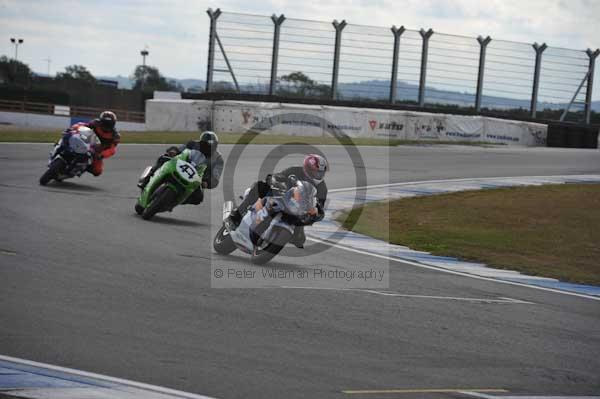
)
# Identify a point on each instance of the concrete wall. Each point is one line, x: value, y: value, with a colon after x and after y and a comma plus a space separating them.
x: 317, y: 120
x: 34, y: 120
x: 26, y: 120
x: 178, y: 115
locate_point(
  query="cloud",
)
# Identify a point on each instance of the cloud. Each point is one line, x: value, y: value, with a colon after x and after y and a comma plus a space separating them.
x: 107, y: 36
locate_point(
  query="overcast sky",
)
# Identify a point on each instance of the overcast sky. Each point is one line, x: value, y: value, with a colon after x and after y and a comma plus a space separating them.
x: 107, y: 36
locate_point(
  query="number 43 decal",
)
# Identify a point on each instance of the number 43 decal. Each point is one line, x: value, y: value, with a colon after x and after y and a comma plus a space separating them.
x: 187, y: 169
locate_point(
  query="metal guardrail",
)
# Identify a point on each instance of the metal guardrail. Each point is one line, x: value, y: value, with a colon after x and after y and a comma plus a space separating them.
x: 75, y: 111
x: 29, y: 107
x: 122, y: 115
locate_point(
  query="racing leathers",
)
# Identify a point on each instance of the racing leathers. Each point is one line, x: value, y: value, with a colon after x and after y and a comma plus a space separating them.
x: 210, y: 178
x: 288, y: 176
x: 109, y: 139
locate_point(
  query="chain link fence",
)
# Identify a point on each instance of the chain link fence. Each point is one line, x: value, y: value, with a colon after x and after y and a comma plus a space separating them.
x: 338, y: 61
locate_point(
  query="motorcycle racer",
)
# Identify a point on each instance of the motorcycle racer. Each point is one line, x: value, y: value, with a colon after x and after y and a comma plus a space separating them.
x: 104, y: 127
x: 313, y: 170
x: 207, y: 145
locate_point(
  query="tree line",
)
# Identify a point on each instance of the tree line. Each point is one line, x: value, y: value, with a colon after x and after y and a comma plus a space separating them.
x: 145, y: 78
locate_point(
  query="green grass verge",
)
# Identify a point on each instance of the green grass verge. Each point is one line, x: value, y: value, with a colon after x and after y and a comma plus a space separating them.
x: 42, y: 136
x: 550, y: 231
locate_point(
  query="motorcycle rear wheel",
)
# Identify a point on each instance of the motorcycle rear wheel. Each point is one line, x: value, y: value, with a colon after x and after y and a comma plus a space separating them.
x: 54, y: 169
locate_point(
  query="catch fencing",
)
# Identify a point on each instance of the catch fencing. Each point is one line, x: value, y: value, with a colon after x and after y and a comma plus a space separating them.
x: 298, y: 58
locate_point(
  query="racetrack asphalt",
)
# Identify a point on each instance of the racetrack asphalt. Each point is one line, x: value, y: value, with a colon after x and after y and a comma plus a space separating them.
x: 87, y: 284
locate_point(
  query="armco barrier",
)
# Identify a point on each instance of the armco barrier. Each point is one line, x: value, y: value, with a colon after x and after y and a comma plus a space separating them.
x: 308, y: 120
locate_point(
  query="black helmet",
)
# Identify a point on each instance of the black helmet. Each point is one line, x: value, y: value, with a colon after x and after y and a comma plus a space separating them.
x: 208, y: 142
x: 108, y: 119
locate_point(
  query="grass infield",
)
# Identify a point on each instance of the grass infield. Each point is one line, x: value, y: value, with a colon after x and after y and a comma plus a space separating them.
x: 550, y: 231
x: 12, y: 135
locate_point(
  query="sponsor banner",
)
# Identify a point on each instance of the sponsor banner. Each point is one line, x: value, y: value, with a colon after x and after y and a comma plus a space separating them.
x: 426, y: 126
x: 464, y: 128
x: 271, y: 119
x: 386, y: 124
x: 178, y: 115
x: 316, y: 120
x: 537, y: 136
x: 350, y: 121
x: 505, y: 132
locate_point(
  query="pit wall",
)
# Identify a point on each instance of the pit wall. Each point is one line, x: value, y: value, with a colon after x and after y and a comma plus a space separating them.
x: 316, y: 120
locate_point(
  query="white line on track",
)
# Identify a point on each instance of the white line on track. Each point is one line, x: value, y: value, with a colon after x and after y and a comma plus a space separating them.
x: 407, y: 262
x: 486, y: 396
x: 396, y: 294
x: 133, y: 384
x: 466, y: 179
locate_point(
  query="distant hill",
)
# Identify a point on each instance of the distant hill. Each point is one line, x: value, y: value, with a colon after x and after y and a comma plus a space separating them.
x: 188, y: 84
x: 379, y: 89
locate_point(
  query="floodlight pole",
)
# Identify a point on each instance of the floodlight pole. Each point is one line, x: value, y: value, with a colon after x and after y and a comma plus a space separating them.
x: 16, y: 42
x: 144, y: 53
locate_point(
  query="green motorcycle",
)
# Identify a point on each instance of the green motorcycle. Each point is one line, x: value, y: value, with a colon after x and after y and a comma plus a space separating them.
x: 171, y: 184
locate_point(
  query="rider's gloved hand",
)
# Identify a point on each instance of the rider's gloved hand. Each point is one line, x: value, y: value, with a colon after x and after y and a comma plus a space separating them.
x: 292, y: 180
x: 269, y: 179
x: 98, y: 152
x: 320, y: 214
x: 172, y: 151
x: 65, y: 136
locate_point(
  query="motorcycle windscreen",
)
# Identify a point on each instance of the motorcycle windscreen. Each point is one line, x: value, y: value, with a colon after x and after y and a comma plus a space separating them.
x: 197, y: 158
x: 300, y: 199
x: 88, y: 136
x: 78, y: 145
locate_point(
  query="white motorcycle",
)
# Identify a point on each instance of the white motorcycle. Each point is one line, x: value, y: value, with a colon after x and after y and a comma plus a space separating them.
x: 269, y: 224
x: 71, y: 156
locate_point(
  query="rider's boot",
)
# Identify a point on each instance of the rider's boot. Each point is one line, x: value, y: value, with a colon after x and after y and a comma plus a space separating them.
x: 235, y: 218
x: 299, y: 238
x: 143, y: 182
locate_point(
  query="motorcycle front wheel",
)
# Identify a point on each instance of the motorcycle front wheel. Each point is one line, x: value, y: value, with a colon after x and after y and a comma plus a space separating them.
x: 223, y: 243
x: 54, y: 169
x: 281, y: 237
x: 162, y: 200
